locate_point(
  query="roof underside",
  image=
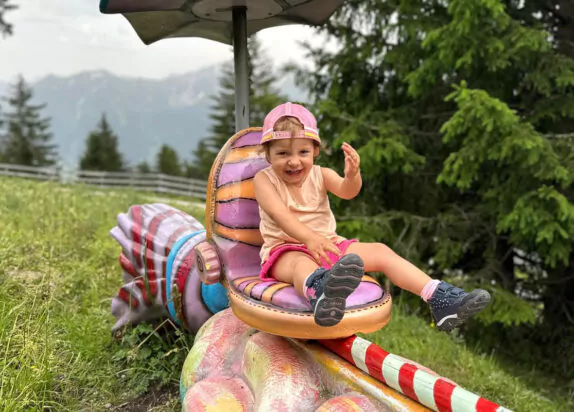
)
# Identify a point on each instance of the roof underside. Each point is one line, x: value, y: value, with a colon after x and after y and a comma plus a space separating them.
x: 154, y: 20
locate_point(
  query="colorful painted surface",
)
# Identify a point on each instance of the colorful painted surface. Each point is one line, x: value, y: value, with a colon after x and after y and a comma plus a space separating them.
x: 159, y: 272
x: 409, y: 378
x: 256, y: 371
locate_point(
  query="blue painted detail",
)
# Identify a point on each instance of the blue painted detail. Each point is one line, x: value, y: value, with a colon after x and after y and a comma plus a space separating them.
x: 214, y: 297
x: 168, y: 270
x: 182, y: 390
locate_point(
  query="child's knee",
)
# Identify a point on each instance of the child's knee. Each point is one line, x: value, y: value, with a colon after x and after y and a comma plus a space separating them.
x: 384, y: 251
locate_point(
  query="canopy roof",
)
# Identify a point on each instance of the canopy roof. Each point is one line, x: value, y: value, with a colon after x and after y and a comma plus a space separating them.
x: 154, y: 20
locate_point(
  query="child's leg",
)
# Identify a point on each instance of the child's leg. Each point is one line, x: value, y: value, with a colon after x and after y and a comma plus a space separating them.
x: 326, y: 289
x: 450, y: 306
x: 294, y: 268
x: 381, y: 258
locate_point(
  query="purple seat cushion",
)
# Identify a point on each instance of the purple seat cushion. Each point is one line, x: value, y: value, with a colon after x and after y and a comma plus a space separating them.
x: 285, y: 296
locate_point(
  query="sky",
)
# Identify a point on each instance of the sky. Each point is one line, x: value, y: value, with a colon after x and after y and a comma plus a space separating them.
x: 64, y: 37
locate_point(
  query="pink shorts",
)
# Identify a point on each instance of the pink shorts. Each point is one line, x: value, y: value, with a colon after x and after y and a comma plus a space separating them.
x: 279, y: 250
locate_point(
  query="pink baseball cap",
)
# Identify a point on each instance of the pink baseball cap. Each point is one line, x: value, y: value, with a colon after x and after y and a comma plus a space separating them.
x: 293, y: 110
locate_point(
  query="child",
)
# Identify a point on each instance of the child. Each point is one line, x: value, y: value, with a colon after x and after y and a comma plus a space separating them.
x: 301, y: 246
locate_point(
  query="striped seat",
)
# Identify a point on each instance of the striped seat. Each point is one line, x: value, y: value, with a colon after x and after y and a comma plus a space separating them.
x: 285, y: 296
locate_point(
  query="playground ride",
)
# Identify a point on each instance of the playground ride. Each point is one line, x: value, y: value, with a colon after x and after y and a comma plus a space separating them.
x: 256, y: 346
x: 161, y: 240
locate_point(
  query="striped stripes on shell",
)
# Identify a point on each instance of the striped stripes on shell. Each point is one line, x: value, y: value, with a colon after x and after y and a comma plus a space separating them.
x: 145, y: 250
x: 236, y: 213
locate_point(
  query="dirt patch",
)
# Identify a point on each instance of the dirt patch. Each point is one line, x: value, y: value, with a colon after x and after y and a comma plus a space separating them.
x: 155, y: 400
x: 25, y: 276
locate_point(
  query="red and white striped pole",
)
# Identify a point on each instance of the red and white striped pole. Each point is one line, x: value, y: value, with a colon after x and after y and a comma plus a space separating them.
x: 423, y: 386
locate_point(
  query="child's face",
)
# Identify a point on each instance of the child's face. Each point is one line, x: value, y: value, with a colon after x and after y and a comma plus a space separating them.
x: 292, y: 159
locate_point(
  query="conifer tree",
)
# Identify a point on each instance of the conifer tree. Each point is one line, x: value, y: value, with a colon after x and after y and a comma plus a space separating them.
x: 143, y: 167
x: 26, y: 138
x: 168, y: 161
x: 262, y: 98
x: 101, y: 151
x: 200, y: 166
x: 462, y: 112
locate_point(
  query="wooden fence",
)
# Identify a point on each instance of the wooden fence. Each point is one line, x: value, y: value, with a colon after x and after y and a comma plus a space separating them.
x: 34, y: 172
x: 148, y: 182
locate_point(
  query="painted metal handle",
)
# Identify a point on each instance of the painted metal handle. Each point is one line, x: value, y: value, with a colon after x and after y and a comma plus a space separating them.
x: 423, y: 386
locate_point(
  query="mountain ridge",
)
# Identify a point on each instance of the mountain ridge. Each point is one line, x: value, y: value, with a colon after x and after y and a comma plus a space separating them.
x: 144, y: 113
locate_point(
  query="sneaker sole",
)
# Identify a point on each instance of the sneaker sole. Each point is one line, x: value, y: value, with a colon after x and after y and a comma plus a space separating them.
x: 342, y: 280
x: 469, y: 307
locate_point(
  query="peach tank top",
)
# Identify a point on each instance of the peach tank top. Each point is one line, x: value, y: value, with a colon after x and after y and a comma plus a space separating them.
x: 314, y: 211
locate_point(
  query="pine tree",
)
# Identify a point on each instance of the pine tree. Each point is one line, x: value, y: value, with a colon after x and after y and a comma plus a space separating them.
x: 101, y: 151
x: 200, y: 166
x: 475, y: 178
x: 262, y: 98
x: 143, y: 167
x: 5, y: 27
x: 168, y: 161
x: 264, y: 95
x: 27, y: 138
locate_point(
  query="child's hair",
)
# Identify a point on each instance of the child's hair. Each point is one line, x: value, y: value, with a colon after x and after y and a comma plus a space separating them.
x: 286, y: 124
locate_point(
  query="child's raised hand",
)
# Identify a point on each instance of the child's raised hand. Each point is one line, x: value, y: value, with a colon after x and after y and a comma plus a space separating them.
x: 352, y: 161
x: 319, y: 246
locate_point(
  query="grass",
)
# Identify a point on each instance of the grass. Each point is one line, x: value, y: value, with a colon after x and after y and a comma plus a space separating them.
x: 58, y: 273
x: 515, y: 387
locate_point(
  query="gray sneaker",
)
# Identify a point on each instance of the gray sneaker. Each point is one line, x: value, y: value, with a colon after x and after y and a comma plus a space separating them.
x: 452, y: 306
x: 328, y: 289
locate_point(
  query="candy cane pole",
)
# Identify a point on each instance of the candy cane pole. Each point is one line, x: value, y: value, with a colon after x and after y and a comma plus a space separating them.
x: 420, y: 385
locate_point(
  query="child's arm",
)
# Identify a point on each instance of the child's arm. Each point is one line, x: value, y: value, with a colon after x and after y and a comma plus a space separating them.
x: 349, y: 186
x: 345, y: 188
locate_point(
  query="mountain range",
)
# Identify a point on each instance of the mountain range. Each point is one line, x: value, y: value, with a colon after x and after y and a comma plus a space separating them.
x: 143, y: 113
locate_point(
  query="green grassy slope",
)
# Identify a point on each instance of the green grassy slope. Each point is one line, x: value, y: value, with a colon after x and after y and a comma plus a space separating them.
x: 58, y: 273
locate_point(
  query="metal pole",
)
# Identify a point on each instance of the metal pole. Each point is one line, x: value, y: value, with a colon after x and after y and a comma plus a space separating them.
x: 241, y: 69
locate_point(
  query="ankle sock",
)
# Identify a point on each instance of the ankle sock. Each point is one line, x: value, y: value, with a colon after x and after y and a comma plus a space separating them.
x: 429, y: 289
x: 313, y: 281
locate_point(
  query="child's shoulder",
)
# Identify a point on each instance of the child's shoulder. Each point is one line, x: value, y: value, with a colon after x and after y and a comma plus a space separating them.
x: 265, y: 172
x: 321, y: 171
x: 318, y: 170
x: 318, y: 177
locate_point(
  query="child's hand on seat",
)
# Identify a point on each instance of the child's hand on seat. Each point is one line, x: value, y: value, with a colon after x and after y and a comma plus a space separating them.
x: 319, y: 246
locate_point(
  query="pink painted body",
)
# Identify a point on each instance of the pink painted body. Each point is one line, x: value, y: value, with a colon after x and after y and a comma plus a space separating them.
x: 234, y: 367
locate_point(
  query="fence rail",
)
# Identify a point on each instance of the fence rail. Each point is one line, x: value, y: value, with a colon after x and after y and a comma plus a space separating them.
x: 148, y: 182
x: 34, y: 172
